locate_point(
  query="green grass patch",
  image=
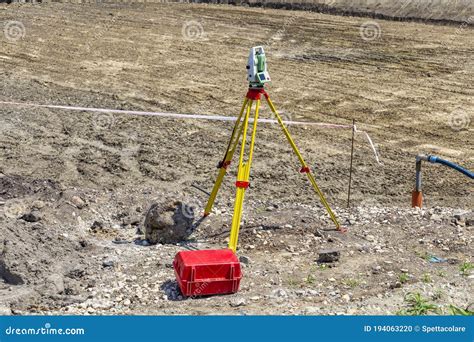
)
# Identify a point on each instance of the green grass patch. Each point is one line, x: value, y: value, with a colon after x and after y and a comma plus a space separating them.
x: 418, y: 306
x: 426, y: 278
x: 403, y: 278
x: 465, y: 268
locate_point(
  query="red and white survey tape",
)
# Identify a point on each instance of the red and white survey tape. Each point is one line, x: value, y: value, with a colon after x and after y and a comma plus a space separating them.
x: 193, y: 116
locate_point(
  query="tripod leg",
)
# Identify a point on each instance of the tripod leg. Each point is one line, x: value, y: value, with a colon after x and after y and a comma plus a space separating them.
x: 304, y: 166
x: 243, y: 176
x: 229, y: 153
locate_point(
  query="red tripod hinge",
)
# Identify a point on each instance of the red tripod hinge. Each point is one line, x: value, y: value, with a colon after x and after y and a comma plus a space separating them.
x: 305, y: 169
x: 223, y: 164
x: 254, y: 93
x: 242, y: 184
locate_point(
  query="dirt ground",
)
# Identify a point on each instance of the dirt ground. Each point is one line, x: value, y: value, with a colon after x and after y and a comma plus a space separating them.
x: 91, y: 177
x: 419, y: 10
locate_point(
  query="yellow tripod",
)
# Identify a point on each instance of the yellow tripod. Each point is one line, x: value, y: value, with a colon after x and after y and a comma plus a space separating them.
x: 240, y: 130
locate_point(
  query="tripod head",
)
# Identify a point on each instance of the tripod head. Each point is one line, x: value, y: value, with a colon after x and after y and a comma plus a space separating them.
x: 257, y: 73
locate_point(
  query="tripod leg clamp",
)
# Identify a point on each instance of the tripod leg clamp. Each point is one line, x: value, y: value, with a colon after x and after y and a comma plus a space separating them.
x: 305, y: 169
x: 242, y: 184
x: 223, y: 164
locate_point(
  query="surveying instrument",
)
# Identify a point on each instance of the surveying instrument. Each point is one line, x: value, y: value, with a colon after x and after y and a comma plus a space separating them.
x: 257, y: 75
x: 218, y: 271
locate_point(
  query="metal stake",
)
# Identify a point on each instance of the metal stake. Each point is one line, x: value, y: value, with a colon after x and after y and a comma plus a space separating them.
x: 350, y: 170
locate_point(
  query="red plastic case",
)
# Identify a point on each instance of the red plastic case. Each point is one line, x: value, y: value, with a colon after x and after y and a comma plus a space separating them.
x: 207, y: 272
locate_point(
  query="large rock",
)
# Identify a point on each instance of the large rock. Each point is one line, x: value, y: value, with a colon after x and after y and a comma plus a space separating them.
x: 170, y: 222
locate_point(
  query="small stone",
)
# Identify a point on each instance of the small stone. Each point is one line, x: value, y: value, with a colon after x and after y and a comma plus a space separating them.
x: 281, y: 293
x: 78, y: 202
x: 332, y: 280
x: 395, y: 285
x: 38, y: 204
x: 131, y: 220
x: 244, y: 260
x: 346, y: 298
x: 36, y: 225
x: 236, y: 302
x: 97, y: 225
x: 55, y: 283
x: 351, y: 311
x: 108, y: 263
x: 326, y: 256
x: 143, y: 242
x: 318, y: 233
x: 33, y: 216
x: 311, y: 310
x: 127, y: 302
x: 370, y: 238
x: 5, y: 311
